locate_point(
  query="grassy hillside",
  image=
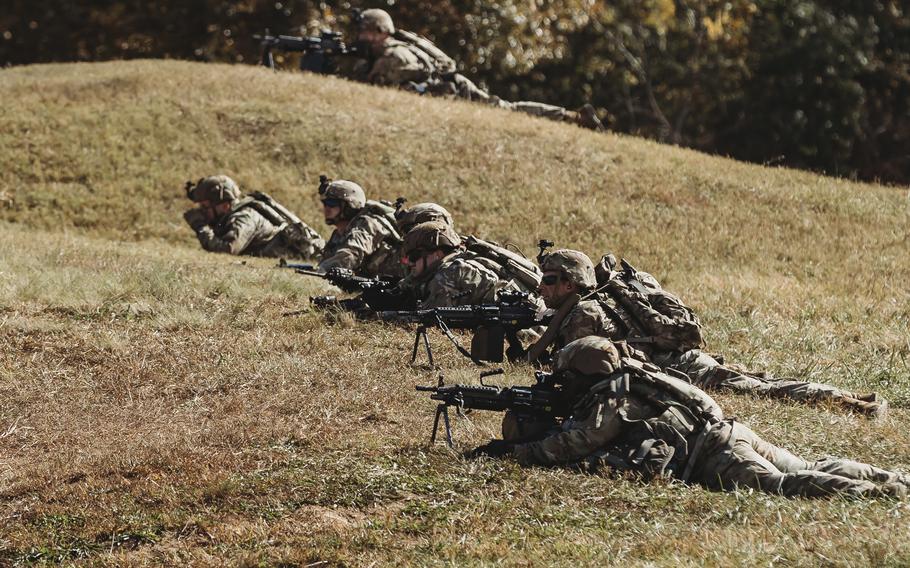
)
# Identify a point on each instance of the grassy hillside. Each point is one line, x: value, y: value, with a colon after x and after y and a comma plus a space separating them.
x: 159, y: 408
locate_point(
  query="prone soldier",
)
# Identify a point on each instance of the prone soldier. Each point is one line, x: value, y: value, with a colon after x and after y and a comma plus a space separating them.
x: 668, y: 334
x: 366, y: 239
x: 227, y: 221
x: 404, y: 59
x: 627, y: 415
x: 443, y: 273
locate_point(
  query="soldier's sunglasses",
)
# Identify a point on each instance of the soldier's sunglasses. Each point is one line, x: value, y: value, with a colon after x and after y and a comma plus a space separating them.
x: 331, y: 202
x: 550, y: 279
x: 415, y: 256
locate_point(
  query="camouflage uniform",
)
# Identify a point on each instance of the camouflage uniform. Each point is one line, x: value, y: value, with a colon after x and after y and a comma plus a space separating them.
x: 366, y: 240
x: 368, y: 246
x: 608, y: 317
x: 457, y: 279
x: 405, y: 64
x: 655, y: 424
x: 255, y: 225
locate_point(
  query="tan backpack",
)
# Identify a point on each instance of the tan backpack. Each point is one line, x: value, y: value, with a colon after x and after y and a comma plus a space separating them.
x: 659, y: 317
x: 507, y: 264
x: 441, y: 63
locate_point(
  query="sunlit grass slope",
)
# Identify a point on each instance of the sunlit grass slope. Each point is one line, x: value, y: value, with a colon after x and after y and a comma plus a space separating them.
x: 159, y: 407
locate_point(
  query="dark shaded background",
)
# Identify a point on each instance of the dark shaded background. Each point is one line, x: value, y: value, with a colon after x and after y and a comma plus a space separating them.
x: 809, y: 84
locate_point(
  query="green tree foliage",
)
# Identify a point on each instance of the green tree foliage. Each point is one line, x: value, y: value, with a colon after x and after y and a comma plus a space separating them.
x: 815, y: 84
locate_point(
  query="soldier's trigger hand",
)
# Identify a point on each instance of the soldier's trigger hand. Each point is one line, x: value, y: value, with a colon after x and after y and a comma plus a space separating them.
x: 195, y: 218
x: 493, y: 449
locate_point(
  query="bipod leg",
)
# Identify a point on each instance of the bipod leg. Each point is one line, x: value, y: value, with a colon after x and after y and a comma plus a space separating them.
x: 420, y: 331
x: 422, y: 334
x: 426, y: 345
x: 442, y: 410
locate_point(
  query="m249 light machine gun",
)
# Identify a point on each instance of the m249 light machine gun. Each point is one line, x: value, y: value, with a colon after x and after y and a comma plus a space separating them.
x: 541, y: 400
x: 493, y: 324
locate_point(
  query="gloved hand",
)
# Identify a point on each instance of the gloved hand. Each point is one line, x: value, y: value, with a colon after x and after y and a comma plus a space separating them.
x: 195, y: 218
x: 493, y: 448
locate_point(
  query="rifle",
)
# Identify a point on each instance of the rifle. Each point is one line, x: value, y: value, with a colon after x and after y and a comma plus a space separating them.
x: 375, y: 293
x: 543, y: 399
x: 343, y: 278
x: 318, y: 51
x: 492, y: 324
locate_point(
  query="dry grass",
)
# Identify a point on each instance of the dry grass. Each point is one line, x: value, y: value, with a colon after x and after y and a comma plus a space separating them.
x: 159, y: 409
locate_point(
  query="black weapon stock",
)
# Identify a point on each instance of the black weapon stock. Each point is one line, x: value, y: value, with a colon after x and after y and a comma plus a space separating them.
x: 538, y: 401
x: 493, y: 324
x: 630, y: 277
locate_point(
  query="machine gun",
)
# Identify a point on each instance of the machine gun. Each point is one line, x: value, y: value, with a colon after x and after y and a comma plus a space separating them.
x: 343, y: 278
x: 492, y: 324
x: 319, y: 52
x: 376, y: 294
x: 544, y: 399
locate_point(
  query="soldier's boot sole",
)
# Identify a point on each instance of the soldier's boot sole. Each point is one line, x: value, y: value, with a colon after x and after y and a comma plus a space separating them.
x: 874, y: 410
x: 586, y: 117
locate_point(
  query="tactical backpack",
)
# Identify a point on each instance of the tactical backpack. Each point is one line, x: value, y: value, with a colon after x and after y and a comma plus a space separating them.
x: 657, y: 317
x: 295, y: 233
x: 385, y: 214
x: 506, y: 264
x: 666, y: 443
x: 441, y: 64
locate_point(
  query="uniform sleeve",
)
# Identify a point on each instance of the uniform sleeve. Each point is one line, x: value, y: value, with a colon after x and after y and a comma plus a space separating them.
x: 592, y: 429
x: 241, y: 228
x: 397, y: 66
x: 462, y: 284
x: 361, y: 240
x: 582, y: 321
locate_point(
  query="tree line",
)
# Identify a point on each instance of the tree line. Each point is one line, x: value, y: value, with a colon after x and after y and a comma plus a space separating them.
x: 821, y: 85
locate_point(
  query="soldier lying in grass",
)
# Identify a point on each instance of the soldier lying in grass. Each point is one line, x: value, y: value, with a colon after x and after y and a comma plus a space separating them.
x: 634, y: 308
x: 628, y: 415
x: 227, y: 221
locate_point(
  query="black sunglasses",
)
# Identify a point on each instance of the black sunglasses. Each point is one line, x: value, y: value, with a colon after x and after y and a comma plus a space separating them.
x: 550, y: 279
x: 332, y: 202
x: 415, y: 256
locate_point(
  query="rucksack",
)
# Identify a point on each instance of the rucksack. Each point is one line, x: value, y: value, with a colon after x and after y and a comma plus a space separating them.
x: 295, y: 233
x: 442, y: 64
x: 660, y: 444
x: 385, y: 213
x: 658, y: 317
x: 507, y: 264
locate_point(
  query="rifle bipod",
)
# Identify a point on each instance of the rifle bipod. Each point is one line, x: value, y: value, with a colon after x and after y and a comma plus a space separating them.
x: 442, y: 410
x: 422, y: 334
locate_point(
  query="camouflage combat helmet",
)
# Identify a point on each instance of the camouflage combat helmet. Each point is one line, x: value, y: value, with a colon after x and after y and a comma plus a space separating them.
x: 430, y: 236
x: 574, y: 264
x: 348, y: 192
x: 406, y: 219
x: 377, y: 20
x: 216, y: 189
x: 591, y: 355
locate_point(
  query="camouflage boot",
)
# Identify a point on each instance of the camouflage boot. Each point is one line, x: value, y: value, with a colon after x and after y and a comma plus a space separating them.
x: 872, y: 406
x: 586, y: 117
x: 894, y: 490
